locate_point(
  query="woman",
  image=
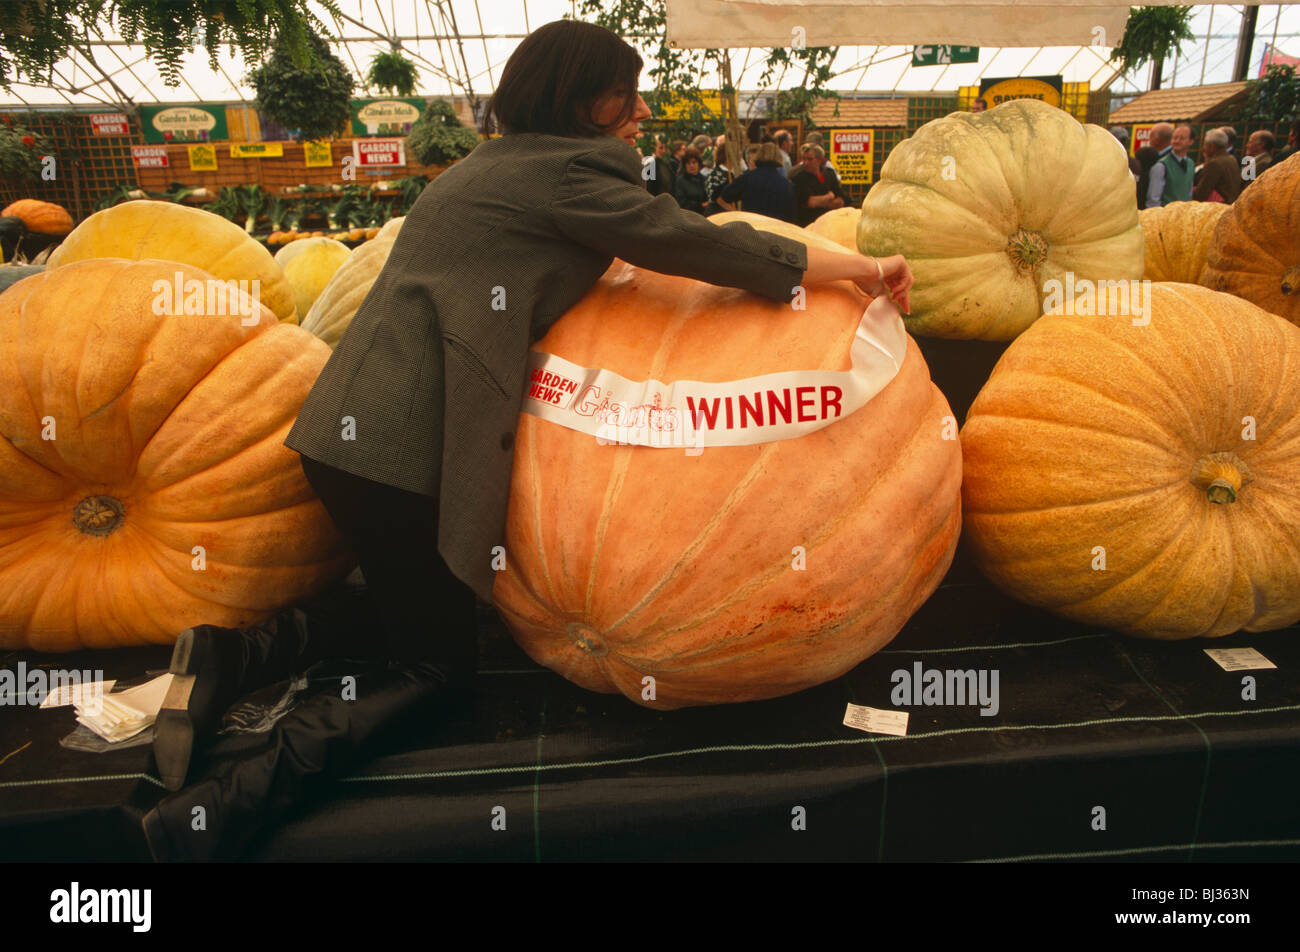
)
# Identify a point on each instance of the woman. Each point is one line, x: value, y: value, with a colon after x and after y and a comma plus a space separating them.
x: 764, y: 189
x: 719, y: 178
x: 407, y: 435
x: 690, y: 189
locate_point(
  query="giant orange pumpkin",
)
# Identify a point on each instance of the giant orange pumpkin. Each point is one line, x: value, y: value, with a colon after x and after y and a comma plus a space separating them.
x: 1255, y: 250
x: 144, y: 487
x: 743, y: 572
x: 1144, y: 477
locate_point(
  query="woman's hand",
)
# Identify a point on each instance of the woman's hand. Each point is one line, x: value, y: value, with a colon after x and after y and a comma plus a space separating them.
x: 898, y: 280
x: 893, y: 278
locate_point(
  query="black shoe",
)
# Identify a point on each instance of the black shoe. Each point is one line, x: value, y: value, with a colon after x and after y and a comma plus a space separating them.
x: 214, y: 667
x: 319, y: 739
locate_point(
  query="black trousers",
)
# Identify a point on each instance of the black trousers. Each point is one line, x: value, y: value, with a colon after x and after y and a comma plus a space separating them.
x: 427, y: 614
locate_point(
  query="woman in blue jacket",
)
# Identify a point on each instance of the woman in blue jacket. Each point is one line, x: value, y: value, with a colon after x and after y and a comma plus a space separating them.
x: 764, y: 189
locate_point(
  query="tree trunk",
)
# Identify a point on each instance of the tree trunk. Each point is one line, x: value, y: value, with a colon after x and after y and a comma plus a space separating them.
x: 736, y: 141
x: 1157, y: 68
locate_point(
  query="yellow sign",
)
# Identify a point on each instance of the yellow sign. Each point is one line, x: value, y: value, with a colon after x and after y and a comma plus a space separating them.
x: 317, y: 154
x: 256, y: 150
x: 711, y: 102
x: 851, y: 155
x: 1141, y: 137
x: 203, y: 158
x: 1021, y: 88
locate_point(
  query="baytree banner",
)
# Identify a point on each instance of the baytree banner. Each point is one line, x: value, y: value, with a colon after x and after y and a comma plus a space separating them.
x: 385, y: 117
x: 1045, y: 88
x: 184, y: 123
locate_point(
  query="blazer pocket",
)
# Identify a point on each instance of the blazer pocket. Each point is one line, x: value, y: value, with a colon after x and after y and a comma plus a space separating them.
x: 474, y: 364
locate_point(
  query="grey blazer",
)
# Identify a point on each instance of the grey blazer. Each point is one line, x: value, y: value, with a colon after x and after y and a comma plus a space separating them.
x: 424, y: 390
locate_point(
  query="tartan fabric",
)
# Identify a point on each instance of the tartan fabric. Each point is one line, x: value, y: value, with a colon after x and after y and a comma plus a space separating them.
x: 424, y: 390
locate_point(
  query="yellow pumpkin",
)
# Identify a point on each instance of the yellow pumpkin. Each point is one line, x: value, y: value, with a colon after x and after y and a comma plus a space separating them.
x: 742, y: 572
x: 840, y: 225
x: 309, y: 265
x: 1177, y: 237
x: 144, y: 484
x: 992, y: 208
x: 173, y: 232
x: 1255, y: 251
x: 1144, y: 477
x: 337, y: 303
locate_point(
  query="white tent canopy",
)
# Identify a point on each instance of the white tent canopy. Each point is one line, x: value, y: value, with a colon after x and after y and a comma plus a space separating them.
x: 459, y: 47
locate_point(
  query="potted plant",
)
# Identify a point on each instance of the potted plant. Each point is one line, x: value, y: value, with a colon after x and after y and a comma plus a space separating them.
x: 392, y: 73
x: 312, y: 99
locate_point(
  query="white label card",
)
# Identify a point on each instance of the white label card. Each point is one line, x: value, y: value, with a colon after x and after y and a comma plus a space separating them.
x: 1239, y: 659
x: 875, y: 721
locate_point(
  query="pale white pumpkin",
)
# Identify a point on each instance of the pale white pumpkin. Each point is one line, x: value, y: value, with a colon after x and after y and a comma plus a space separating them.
x: 992, y: 209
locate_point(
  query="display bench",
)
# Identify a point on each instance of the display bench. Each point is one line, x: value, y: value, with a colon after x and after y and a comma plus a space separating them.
x: 1102, y: 747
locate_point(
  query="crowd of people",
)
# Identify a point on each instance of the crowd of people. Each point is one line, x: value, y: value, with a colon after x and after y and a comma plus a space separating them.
x: 772, y: 177
x: 799, y: 185
x: 1165, y: 170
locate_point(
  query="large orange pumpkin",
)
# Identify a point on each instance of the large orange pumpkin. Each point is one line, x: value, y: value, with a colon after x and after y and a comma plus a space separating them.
x: 144, y: 487
x: 1255, y: 251
x: 627, y: 562
x: 1145, y: 478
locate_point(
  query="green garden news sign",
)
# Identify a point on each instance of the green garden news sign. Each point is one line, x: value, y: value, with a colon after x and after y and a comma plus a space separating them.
x: 184, y: 123
x: 385, y: 117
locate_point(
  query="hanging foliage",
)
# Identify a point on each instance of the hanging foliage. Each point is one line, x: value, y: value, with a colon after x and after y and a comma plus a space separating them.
x: 391, y: 73
x: 1275, y: 98
x: 439, y: 137
x: 36, y: 34
x: 1153, y: 34
x: 311, y: 99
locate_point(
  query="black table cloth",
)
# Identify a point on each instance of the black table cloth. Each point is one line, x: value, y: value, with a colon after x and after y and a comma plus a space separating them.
x: 1154, y: 734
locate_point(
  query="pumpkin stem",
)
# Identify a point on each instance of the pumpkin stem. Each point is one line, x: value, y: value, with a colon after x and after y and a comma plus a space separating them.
x: 98, y: 515
x: 587, y: 639
x: 1027, y: 249
x: 1291, y: 280
x: 1221, y: 475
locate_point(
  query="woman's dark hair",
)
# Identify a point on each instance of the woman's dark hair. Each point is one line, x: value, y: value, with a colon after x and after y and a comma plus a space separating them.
x: 554, y: 77
x: 691, y: 153
x: 720, y: 155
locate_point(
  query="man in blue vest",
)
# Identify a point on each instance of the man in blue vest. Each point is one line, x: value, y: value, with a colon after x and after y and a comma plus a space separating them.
x: 1172, y: 177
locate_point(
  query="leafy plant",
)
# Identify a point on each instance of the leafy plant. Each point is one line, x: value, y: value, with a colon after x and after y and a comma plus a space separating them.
x: 1275, y: 97
x: 411, y: 188
x: 36, y: 34
x: 1153, y: 34
x: 391, y: 72
x: 438, y: 137
x: 227, y: 204
x: 21, y: 151
x: 251, y: 199
x: 311, y: 99
x: 277, y: 212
